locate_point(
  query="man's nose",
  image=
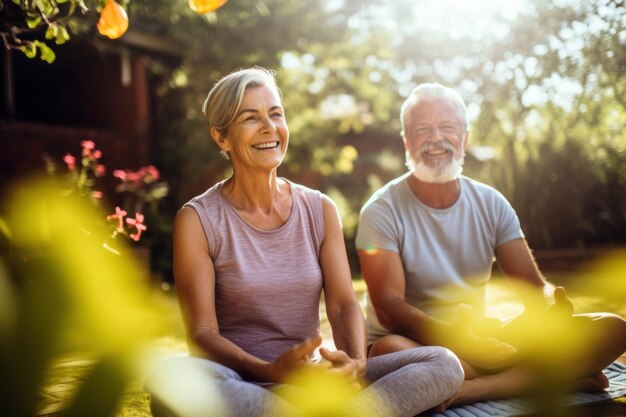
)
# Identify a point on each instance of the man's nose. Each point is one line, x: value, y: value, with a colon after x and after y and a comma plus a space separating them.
x: 436, y: 134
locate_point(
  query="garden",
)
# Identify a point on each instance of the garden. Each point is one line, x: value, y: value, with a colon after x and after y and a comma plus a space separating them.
x: 102, y: 140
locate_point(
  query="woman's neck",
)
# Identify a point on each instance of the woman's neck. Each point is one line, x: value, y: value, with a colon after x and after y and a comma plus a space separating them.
x: 250, y: 191
x: 264, y: 201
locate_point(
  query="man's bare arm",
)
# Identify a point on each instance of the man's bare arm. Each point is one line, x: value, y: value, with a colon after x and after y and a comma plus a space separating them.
x: 517, y: 263
x: 384, y: 275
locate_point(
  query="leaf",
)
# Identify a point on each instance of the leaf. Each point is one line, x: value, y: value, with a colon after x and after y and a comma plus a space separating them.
x: 47, y: 54
x: 62, y: 36
x: 33, y: 21
x: 45, y: 7
x: 52, y: 31
x: 29, y: 50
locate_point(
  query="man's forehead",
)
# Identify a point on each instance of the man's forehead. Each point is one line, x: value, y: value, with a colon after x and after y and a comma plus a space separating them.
x: 442, y: 110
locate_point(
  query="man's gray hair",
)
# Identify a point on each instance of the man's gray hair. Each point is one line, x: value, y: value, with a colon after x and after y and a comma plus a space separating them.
x: 428, y: 92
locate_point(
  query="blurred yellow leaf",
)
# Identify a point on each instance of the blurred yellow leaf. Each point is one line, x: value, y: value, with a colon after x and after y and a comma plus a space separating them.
x: 316, y: 392
x: 113, y: 21
x: 206, y: 6
x: 107, y: 293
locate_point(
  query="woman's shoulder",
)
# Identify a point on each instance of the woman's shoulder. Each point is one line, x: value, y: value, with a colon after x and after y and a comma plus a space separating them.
x: 302, y: 189
x: 311, y: 197
x: 305, y: 193
x: 210, y: 197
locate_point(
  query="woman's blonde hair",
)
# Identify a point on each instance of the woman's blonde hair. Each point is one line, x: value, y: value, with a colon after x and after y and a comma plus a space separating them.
x: 224, y: 100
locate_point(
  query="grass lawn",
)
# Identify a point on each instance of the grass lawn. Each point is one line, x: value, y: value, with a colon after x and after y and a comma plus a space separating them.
x: 68, y: 372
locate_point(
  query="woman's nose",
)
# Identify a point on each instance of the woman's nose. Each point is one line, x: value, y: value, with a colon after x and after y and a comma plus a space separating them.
x: 268, y: 124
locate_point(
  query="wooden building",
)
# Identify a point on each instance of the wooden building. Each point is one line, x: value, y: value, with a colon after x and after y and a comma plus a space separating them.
x: 96, y: 89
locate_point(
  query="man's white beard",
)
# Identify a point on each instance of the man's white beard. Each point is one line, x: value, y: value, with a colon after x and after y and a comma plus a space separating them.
x: 438, y: 174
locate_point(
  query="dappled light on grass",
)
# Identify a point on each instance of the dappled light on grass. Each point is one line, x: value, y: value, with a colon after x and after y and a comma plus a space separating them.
x: 183, y: 389
x: 605, y: 278
x: 67, y: 294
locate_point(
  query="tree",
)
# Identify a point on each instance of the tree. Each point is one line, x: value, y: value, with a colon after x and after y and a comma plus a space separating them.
x: 545, y: 89
x: 545, y: 94
x: 29, y: 25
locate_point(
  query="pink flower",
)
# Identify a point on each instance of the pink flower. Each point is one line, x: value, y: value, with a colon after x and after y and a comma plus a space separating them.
x: 133, y: 176
x: 119, y: 215
x: 121, y: 174
x: 90, y: 151
x: 137, y: 222
x: 70, y: 160
x: 100, y: 170
x: 153, y: 172
x: 97, y: 194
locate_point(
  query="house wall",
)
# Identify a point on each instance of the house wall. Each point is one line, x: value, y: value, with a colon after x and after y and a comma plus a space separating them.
x: 85, y: 94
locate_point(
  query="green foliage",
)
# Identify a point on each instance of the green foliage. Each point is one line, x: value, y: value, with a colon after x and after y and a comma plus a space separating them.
x: 25, y: 24
x: 45, y: 53
x: 545, y: 93
x: 555, y: 124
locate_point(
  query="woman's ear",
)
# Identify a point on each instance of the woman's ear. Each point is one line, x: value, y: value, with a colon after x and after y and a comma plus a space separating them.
x: 220, y: 139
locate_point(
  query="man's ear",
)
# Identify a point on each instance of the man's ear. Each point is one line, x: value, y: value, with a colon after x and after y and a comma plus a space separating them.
x: 406, y: 142
x: 220, y: 139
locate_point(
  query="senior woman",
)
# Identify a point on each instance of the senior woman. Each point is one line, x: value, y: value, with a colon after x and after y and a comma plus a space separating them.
x: 252, y: 255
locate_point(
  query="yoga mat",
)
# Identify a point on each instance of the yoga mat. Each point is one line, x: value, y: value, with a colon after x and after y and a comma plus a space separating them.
x: 616, y: 372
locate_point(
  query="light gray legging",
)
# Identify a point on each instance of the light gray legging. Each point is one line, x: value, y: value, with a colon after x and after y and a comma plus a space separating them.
x: 404, y: 383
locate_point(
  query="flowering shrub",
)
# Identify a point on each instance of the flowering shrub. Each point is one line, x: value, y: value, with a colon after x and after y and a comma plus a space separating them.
x: 138, y: 188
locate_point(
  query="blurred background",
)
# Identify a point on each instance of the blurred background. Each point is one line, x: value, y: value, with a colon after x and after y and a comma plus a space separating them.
x: 544, y: 80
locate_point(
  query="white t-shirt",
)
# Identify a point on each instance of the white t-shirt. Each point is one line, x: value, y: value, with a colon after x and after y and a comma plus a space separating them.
x: 447, y: 254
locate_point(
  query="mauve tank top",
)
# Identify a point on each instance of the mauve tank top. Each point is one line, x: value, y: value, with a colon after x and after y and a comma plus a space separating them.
x: 267, y: 282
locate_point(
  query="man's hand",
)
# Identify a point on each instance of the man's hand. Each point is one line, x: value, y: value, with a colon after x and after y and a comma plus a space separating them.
x: 562, y: 306
x: 483, y: 352
x: 540, y: 328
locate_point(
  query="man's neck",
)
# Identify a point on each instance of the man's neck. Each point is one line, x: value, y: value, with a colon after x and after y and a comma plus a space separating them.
x: 435, y: 195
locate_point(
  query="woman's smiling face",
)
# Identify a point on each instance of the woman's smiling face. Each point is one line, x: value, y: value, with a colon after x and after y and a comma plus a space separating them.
x: 258, y: 137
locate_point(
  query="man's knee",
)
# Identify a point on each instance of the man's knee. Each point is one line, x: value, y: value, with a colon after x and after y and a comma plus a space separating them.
x: 609, y: 324
x: 391, y: 343
x: 615, y: 327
